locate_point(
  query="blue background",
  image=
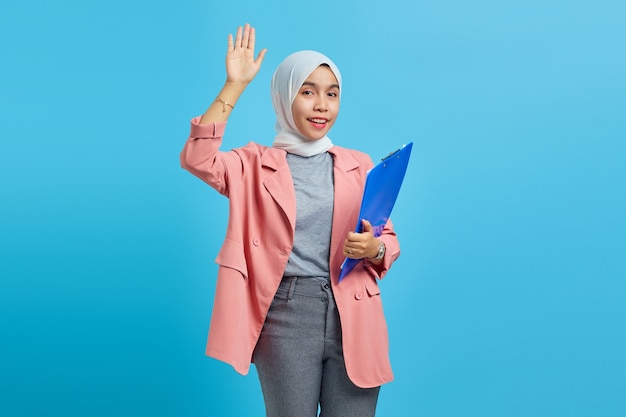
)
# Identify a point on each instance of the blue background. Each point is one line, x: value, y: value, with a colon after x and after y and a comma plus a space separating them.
x: 508, y: 299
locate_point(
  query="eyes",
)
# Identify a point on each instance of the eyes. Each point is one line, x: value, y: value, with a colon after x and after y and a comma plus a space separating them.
x: 310, y: 93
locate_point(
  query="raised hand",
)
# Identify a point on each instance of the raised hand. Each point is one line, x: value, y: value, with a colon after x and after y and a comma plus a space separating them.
x: 241, y: 65
x: 241, y: 68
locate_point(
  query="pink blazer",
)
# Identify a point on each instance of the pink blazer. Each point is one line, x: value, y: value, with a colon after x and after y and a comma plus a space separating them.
x: 258, y: 241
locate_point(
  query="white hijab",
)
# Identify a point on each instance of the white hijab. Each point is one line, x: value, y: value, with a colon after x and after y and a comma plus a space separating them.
x: 287, y: 80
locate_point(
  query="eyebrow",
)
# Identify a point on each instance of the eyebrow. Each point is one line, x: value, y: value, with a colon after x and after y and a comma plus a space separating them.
x: 315, y: 85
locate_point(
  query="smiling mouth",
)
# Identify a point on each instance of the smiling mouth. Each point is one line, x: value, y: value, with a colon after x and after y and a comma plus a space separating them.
x: 318, y: 122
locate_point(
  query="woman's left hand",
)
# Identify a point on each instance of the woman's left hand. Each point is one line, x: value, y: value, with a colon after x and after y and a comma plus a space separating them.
x: 361, y: 245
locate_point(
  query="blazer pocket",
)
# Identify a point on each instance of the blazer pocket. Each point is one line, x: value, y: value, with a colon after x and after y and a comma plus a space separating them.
x: 231, y: 255
x: 372, y: 288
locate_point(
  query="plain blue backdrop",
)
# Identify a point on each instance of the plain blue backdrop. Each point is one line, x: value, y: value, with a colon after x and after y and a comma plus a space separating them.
x: 509, y: 297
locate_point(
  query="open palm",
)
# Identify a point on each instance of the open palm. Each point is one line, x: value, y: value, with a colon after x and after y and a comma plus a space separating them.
x: 241, y: 65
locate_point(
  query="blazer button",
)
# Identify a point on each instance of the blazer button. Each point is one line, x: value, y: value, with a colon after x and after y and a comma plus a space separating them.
x: 256, y: 242
x: 358, y: 295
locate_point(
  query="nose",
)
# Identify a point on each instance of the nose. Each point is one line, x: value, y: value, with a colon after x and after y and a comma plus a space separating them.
x: 320, y: 103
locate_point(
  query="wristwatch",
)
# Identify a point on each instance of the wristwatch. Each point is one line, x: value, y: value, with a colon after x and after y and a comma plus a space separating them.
x: 380, y: 254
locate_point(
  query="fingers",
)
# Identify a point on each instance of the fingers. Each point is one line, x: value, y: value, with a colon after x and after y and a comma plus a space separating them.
x: 360, y: 245
x: 244, y: 38
x: 251, y: 37
x: 356, y: 250
x: 238, y: 38
x: 354, y: 246
x: 259, y: 58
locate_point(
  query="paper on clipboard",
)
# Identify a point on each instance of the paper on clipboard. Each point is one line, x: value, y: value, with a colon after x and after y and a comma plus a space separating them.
x: 381, y: 190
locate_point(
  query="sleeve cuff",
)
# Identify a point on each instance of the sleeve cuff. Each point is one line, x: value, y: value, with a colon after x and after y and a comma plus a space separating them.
x: 212, y: 130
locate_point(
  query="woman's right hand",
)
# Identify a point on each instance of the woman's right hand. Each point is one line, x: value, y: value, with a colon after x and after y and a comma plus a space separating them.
x: 241, y: 66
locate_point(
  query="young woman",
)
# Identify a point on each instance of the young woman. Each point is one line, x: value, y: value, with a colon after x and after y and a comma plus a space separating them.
x: 315, y: 342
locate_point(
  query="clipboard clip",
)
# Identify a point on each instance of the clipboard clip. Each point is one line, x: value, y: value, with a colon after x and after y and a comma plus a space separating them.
x: 391, y: 154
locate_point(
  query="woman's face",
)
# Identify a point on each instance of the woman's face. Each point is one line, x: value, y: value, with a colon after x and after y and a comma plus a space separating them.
x: 316, y: 106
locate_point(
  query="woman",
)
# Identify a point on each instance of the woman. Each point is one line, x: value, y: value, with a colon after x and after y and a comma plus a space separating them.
x: 314, y: 341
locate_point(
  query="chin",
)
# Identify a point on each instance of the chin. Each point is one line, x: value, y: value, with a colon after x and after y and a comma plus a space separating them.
x: 316, y: 136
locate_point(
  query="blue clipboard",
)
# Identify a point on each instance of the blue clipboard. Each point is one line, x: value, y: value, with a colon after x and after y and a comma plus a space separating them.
x: 381, y: 190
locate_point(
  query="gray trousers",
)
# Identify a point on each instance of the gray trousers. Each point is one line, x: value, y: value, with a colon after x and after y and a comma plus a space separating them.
x: 299, y: 357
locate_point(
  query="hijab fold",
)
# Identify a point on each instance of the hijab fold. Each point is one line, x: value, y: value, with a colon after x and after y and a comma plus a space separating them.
x: 286, y: 82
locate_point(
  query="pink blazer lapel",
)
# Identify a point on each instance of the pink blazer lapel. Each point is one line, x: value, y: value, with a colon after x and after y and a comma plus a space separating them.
x: 278, y: 182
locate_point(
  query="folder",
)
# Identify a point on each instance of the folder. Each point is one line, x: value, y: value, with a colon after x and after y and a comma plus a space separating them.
x: 382, y: 186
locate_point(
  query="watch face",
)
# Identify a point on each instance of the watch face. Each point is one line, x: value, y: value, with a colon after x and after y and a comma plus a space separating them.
x: 381, y: 251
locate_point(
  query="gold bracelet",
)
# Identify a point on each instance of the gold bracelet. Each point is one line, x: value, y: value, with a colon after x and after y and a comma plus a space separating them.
x: 224, y: 104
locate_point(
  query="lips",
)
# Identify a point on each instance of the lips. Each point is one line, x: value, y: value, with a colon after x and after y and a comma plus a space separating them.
x: 318, y: 122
